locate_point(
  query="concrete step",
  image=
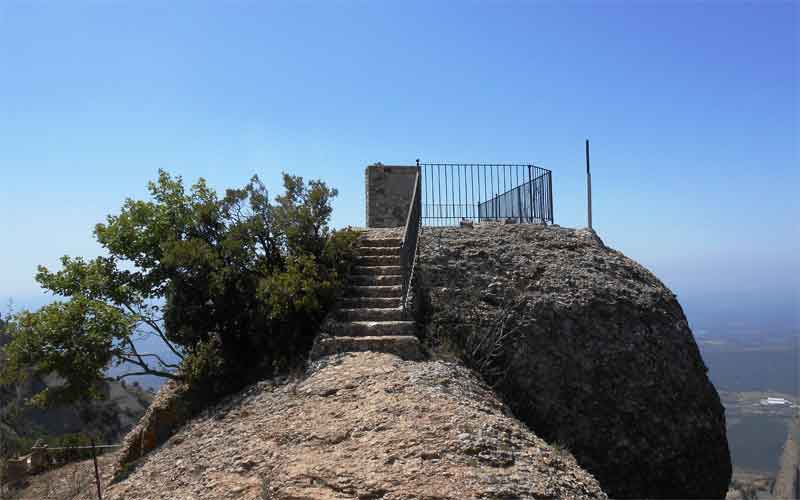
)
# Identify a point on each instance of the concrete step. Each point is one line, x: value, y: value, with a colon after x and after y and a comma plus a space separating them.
x: 404, y: 346
x: 382, y: 242
x: 379, y: 279
x: 371, y: 328
x: 379, y: 302
x: 378, y: 260
x: 370, y: 314
x: 395, y: 291
x: 377, y: 270
x: 365, y: 250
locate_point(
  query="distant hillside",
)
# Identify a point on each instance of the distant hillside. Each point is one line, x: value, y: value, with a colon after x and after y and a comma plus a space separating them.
x: 107, y: 419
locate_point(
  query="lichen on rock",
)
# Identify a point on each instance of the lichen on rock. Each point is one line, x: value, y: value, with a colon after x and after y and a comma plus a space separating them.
x: 597, y: 355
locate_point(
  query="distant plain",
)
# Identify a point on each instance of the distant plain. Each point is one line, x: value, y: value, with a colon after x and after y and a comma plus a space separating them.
x: 746, y: 369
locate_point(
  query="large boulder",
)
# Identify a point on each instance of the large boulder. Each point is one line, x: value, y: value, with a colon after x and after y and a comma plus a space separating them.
x: 589, y: 348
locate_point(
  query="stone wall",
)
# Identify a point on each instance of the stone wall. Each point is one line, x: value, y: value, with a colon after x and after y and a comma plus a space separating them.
x: 14, y: 471
x: 389, y: 190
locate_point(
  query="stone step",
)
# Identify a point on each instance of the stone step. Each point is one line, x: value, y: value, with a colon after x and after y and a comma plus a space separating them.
x: 377, y: 270
x: 378, y: 279
x: 405, y: 346
x: 379, y: 302
x: 365, y: 250
x: 371, y: 314
x: 371, y: 328
x: 378, y: 260
x: 395, y: 291
x: 382, y: 242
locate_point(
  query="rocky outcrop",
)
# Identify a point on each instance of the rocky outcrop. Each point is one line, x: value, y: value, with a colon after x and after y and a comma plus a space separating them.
x: 593, y: 352
x: 787, y: 480
x: 360, y: 426
x: 170, y: 409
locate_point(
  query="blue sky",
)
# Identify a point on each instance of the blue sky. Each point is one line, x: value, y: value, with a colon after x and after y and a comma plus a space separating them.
x: 691, y: 109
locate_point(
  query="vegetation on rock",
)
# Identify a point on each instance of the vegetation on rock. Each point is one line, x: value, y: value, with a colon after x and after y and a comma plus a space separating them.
x: 233, y: 286
x: 106, y: 419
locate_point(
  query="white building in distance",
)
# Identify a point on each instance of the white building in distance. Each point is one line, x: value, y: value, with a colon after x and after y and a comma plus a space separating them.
x: 775, y: 402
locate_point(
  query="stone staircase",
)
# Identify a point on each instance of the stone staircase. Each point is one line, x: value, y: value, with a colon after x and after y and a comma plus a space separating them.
x: 370, y: 316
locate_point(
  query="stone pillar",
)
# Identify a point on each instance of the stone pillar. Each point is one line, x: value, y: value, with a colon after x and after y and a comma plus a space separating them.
x: 389, y: 189
x: 38, y: 460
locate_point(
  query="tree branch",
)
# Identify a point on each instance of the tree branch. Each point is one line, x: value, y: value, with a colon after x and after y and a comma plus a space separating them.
x: 149, y: 372
x: 146, y: 370
x: 161, y: 362
x: 154, y: 325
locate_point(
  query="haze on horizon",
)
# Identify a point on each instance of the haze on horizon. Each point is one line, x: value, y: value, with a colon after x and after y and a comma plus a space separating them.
x: 691, y: 110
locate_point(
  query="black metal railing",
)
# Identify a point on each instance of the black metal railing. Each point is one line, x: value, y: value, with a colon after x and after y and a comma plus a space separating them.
x: 453, y: 192
x: 408, y: 249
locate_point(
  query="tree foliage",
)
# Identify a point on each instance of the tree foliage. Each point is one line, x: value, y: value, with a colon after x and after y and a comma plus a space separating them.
x: 236, y: 277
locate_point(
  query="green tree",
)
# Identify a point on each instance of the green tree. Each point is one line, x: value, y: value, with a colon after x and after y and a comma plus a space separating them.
x: 234, y: 286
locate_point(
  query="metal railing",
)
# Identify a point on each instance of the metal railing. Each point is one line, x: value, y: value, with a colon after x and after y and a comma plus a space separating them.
x: 452, y: 192
x: 408, y: 249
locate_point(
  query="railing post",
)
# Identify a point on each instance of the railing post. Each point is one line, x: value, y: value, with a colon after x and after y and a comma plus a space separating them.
x: 550, y: 195
x: 96, y: 472
x: 530, y: 190
x: 541, y: 197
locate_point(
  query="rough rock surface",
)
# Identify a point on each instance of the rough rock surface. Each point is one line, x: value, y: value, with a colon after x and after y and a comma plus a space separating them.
x: 361, y: 425
x: 598, y: 352
x: 168, y: 411
x: 787, y: 480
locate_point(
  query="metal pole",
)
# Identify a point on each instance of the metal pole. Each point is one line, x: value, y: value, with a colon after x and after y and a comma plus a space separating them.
x: 439, y: 199
x: 530, y: 193
x: 458, y: 170
x: 588, y: 185
x: 96, y: 472
x: 550, y: 196
x: 422, y: 210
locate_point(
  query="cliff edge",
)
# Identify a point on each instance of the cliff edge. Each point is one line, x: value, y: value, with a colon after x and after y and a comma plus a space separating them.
x: 787, y: 480
x: 593, y: 352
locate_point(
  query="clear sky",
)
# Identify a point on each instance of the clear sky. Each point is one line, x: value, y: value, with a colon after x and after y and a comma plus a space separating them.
x: 691, y: 109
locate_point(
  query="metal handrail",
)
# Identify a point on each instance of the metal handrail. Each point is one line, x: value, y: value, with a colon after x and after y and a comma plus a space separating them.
x: 408, y: 248
x: 455, y: 192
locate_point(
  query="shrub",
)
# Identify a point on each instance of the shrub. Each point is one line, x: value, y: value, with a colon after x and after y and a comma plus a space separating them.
x: 234, y: 286
x: 476, y: 336
x: 206, y: 371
